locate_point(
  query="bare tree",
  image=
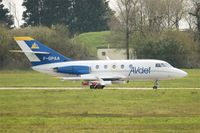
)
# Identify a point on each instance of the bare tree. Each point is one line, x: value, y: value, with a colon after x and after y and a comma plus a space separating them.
x: 190, y: 21
x: 196, y: 14
x: 175, y: 12
x: 188, y: 17
x: 179, y: 12
x: 164, y: 14
x: 127, y: 10
x: 141, y: 16
x: 155, y: 14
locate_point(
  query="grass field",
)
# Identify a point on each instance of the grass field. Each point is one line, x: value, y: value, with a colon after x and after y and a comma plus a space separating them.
x: 35, y: 79
x: 50, y: 111
x: 97, y: 111
x: 93, y: 40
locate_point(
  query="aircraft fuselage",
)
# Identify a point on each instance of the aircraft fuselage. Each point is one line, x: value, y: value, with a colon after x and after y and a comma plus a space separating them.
x: 129, y: 69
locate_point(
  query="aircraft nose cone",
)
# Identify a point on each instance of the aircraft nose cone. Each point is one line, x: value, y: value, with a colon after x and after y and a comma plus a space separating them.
x: 182, y: 73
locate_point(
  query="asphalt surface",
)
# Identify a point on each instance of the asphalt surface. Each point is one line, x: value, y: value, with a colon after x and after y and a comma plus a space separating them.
x: 79, y: 88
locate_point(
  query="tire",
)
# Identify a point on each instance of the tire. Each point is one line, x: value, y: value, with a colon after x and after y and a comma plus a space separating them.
x: 91, y: 87
x: 100, y: 86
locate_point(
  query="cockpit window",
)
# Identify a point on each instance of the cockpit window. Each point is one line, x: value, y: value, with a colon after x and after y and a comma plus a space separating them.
x: 163, y: 65
x: 158, y: 65
x: 168, y: 65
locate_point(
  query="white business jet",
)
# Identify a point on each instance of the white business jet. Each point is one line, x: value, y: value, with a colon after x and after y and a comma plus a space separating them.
x: 95, y: 73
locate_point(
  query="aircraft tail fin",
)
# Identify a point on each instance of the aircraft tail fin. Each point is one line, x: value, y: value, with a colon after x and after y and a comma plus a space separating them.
x: 38, y: 53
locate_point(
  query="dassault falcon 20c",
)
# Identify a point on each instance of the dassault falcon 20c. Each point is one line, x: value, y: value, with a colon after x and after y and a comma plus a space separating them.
x: 95, y: 73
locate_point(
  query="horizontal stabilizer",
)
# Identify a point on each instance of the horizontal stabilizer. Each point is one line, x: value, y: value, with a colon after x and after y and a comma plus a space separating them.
x: 34, y: 52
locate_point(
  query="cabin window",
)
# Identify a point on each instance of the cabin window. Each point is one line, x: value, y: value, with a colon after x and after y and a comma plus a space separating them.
x: 122, y: 66
x: 105, y: 66
x: 97, y: 66
x: 114, y: 66
x: 130, y: 66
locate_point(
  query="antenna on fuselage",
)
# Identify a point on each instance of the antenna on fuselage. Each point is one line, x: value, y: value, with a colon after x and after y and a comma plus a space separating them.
x: 107, y: 58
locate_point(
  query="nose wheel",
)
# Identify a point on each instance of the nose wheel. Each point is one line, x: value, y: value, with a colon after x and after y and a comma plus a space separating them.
x: 156, y: 85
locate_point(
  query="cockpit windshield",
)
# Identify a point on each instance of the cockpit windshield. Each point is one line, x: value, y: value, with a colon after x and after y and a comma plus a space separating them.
x: 163, y: 65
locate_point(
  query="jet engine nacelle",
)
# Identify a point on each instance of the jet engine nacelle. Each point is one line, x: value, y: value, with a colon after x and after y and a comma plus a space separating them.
x: 76, y: 70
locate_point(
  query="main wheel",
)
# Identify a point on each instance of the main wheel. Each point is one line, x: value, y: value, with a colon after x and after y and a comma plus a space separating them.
x: 92, y: 87
x: 100, y: 86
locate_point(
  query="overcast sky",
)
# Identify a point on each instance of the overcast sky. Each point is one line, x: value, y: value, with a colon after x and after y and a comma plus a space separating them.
x: 20, y: 9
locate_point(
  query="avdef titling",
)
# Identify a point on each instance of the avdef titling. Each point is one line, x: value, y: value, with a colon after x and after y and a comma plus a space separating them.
x: 140, y: 70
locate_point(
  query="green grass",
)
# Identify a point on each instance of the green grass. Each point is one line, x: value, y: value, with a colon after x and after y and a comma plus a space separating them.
x: 23, y: 111
x: 35, y: 79
x: 47, y: 111
x: 32, y: 79
x: 93, y: 40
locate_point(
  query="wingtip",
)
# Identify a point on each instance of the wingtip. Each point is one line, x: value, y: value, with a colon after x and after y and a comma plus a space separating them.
x: 23, y: 38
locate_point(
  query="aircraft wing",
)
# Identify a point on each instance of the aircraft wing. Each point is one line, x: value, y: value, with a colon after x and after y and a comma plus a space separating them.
x: 90, y: 77
x: 82, y: 77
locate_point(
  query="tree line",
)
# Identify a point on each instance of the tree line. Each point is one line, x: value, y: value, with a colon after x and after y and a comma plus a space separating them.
x: 55, y: 37
x: 6, y: 18
x: 151, y: 27
x: 158, y: 15
x: 79, y: 15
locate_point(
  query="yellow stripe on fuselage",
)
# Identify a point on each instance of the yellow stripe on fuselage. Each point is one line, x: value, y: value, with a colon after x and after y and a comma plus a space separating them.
x: 23, y: 38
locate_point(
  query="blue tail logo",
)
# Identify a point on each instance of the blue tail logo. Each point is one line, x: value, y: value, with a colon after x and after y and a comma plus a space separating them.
x: 34, y: 46
x: 38, y: 53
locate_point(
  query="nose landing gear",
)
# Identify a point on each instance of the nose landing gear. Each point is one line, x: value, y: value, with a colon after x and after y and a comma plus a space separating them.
x: 156, y: 85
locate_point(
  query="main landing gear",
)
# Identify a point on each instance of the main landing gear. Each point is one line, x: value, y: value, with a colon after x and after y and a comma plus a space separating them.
x: 156, y: 85
x: 97, y: 86
x: 93, y: 85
